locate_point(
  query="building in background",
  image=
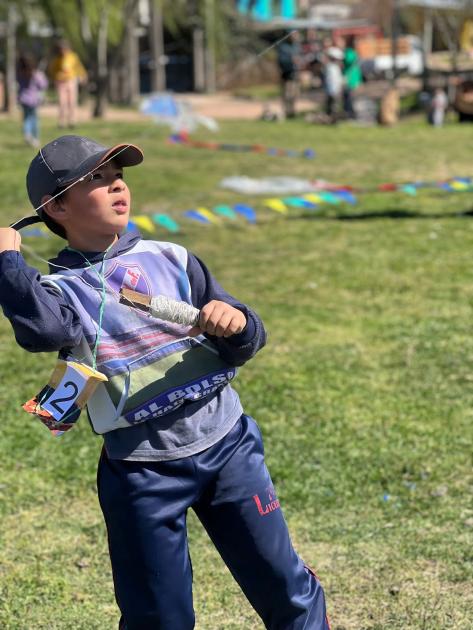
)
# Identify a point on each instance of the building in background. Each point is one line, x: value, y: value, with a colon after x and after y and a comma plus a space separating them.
x: 265, y: 10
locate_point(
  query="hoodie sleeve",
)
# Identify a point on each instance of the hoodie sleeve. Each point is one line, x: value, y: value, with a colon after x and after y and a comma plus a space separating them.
x: 41, y: 318
x: 236, y: 349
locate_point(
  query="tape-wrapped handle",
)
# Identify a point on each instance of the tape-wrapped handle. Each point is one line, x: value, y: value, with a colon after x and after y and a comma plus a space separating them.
x: 162, y: 307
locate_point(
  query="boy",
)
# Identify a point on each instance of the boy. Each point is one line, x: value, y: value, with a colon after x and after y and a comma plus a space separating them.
x: 175, y: 435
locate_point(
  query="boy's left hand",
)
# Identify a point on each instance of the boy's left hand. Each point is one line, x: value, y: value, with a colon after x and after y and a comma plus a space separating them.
x: 10, y: 240
x: 219, y: 319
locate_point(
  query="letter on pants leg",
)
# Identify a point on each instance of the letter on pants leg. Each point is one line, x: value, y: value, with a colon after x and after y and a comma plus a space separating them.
x: 242, y: 516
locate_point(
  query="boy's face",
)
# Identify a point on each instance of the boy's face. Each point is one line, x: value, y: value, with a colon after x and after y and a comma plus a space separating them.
x: 96, y: 208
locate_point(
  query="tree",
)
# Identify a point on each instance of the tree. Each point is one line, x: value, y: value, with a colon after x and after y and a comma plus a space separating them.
x: 129, y: 55
x: 156, y: 39
x: 10, y: 57
x: 102, y: 62
x: 219, y: 33
x: 100, y: 37
x: 104, y: 33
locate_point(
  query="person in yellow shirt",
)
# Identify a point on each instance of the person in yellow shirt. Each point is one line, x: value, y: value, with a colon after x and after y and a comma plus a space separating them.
x: 67, y: 71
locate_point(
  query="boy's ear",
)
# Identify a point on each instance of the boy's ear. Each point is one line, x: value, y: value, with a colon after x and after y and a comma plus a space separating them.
x: 53, y: 207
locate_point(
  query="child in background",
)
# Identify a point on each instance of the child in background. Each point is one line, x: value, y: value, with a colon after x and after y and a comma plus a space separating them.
x: 31, y: 86
x: 175, y: 434
x: 333, y: 82
x: 352, y: 75
x: 288, y: 57
x: 67, y: 71
x: 438, y: 107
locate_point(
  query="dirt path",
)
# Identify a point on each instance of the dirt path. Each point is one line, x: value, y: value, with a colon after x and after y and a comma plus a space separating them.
x: 221, y: 106
x: 225, y: 106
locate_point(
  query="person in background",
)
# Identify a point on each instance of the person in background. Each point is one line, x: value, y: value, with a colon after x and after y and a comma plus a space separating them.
x: 390, y: 107
x: 333, y: 82
x: 31, y: 85
x: 311, y: 48
x: 463, y: 98
x: 352, y: 76
x: 67, y: 71
x: 438, y: 107
x: 288, y: 55
x: 327, y: 43
x: 312, y: 58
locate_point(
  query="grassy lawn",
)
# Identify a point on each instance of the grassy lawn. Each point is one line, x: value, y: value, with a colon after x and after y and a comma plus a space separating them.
x: 364, y: 393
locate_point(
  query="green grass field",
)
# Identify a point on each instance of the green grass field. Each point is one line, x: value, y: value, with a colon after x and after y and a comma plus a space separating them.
x: 364, y: 393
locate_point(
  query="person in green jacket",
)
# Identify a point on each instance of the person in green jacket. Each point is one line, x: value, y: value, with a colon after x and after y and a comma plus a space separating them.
x: 352, y: 76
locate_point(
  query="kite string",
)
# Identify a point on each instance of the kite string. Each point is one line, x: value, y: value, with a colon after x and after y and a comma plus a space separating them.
x: 162, y: 307
x: 251, y: 59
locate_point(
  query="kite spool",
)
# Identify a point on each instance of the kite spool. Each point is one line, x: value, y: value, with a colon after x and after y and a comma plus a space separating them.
x: 161, y: 307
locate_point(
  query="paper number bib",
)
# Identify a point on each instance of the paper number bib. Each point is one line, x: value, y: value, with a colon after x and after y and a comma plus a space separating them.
x: 66, y: 394
x: 58, y: 405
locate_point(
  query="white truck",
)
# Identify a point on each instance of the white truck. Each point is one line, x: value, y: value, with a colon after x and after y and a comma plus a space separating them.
x: 376, y: 58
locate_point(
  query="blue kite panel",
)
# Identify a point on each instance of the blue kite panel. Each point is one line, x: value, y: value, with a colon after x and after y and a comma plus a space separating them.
x: 346, y: 195
x: 196, y: 216
x: 246, y: 211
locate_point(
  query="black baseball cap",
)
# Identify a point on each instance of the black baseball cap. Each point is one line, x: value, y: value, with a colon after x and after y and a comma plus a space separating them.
x: 67, y: 159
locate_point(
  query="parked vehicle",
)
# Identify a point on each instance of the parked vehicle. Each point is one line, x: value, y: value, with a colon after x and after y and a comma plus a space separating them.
x: 464, y: 101
x: 376, y: 58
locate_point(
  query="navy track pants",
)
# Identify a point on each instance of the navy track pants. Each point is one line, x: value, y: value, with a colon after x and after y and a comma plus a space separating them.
x: 229, y: 487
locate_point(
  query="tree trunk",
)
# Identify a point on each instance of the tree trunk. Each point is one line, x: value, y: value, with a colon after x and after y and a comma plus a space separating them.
x: 454, y: 23
x: 85, y: 30
x: 10, y: 60
x: 210, y: 70
x: 449, y: 37
x: 114, y: 83
x: 131, y: 65
x: 394, y: 40
x: 158, y: 68
x: 428, y: 32
x: 199, y: 58
x: 102, y: 67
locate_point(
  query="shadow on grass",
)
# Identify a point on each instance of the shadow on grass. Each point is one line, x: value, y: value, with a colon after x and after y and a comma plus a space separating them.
x: 388, y: 214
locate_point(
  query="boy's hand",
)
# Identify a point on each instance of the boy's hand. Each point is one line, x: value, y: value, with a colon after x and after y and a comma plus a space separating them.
x: 219, y: 319
x: 10, y: 239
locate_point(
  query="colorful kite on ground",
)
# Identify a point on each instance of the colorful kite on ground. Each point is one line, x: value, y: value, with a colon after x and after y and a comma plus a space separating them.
x: 293, y: 185
x: 186, y: 140
x: 165, y: 109
x: 326, y: 193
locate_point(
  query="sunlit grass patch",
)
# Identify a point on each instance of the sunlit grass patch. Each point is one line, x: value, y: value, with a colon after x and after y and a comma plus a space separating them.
x: 363, y: 394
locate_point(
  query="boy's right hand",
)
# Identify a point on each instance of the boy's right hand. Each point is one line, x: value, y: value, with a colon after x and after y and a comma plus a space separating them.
x: 10, y: 240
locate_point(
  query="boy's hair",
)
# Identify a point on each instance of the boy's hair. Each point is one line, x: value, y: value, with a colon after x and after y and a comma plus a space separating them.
x: 51, y: 223
x: 67, y: 160
x: 54, y: 227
